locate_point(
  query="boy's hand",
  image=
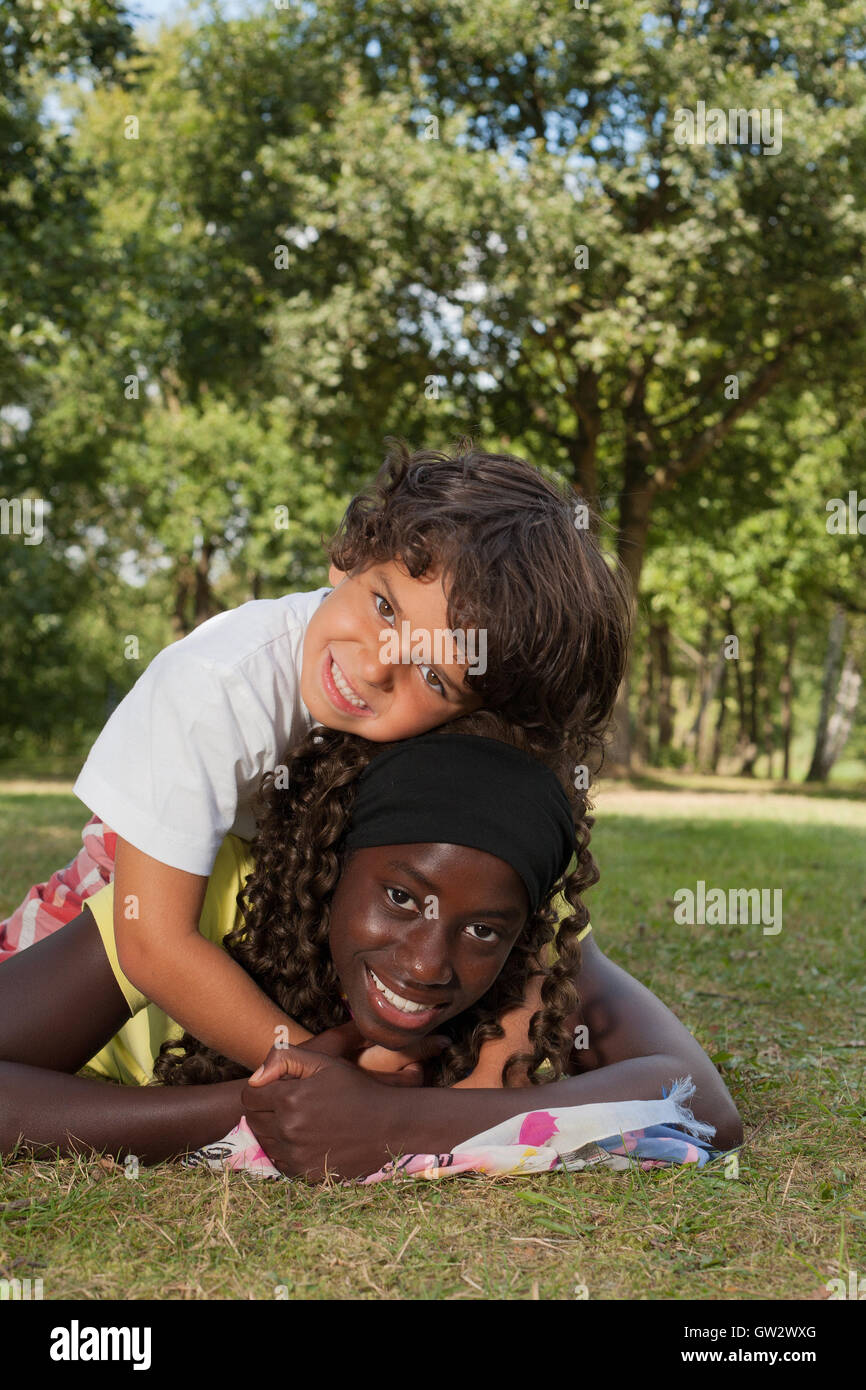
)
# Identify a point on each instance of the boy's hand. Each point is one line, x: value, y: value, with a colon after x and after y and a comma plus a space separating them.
x: 404, y: 1068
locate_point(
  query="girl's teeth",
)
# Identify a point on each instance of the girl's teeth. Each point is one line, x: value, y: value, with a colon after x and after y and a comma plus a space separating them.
x: 406, y: 1005
x: 344, y: 689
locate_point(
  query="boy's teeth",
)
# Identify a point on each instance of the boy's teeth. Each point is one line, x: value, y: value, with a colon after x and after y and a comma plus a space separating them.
x: 407, y: 1005
x: 345, y: 690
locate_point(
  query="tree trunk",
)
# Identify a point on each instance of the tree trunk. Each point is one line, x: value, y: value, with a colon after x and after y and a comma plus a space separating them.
x: 711, y: 678
x: 717, y: 734
x: 832, y: 661
x: 204, y: 601
x: 645, y: 708
x: 635, y: 505
x: 183, y: 587
x: 583, y: 448
x: 696, y: 698
x: 786, y: 692
x: 661, y: 635
x: 767, y: 722
x: 632, y: 547
x: 844, y: 709
x: 742, y: 711
x: 172, y: 390
x: 750, y: 755
x: 726, y: 605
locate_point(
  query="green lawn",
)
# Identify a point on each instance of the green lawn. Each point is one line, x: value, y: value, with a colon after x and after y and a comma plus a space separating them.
x: 784, y: 1016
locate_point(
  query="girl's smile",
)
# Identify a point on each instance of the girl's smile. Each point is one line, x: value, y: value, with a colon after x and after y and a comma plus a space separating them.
x: 399, y: 1009
x: 418, y: 933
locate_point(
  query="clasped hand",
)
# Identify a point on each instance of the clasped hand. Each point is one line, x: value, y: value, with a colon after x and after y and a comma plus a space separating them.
x: 314, y: 1108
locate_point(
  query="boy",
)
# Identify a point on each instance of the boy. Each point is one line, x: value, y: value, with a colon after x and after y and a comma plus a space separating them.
x: 472, y: 543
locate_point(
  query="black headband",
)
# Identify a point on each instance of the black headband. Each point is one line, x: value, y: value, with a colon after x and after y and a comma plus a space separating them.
x: 462, y: 789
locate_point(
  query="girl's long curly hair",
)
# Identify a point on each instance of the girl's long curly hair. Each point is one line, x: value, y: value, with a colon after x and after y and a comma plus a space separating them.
x: 282, y: 942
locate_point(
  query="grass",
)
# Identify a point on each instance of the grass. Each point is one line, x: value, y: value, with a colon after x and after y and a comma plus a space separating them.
x: 783, y: 1017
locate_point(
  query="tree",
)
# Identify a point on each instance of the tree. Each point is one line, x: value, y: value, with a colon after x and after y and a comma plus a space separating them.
x: 626, y: 302
x: 46, y: 216
x: 769, y: 577
x: 426, y: 220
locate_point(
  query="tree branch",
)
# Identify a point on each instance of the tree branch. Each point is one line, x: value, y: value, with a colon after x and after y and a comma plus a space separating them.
x: 704, y: 442
x: 840, y: 596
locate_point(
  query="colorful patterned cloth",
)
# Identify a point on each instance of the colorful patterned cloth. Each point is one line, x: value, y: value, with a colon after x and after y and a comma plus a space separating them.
x: 625, y: 1134
x: 51, y: 905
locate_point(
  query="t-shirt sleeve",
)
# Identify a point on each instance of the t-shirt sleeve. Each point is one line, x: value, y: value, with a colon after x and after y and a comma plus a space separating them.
x: 167, y: 770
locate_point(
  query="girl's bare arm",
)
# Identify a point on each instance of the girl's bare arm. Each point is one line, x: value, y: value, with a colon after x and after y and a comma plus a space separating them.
x: 634, y: 1045
x: 52, y: 1112
x: 59, y: 1004
x: 196, y: 982
x: 59, y: 1000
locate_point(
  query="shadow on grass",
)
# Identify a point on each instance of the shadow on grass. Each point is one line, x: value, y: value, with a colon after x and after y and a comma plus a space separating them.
x: 728, y: 786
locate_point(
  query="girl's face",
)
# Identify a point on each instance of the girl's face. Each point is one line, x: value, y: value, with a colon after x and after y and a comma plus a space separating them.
x: 420, y: 932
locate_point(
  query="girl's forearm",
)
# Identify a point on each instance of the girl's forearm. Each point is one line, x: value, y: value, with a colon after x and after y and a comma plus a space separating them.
x: 50, y: 1111
x: 438, y: 1118
x: 211, y: 996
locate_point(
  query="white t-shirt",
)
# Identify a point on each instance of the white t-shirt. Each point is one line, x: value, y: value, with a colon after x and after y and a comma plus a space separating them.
x: 180, y: 759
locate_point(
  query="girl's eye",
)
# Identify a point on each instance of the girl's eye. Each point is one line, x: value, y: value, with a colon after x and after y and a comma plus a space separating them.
x: 390, y: 614
x: 438, y: 687
x: 401, y: 892
x: 494, y: 936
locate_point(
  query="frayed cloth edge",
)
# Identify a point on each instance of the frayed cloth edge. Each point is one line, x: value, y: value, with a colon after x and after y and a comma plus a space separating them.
x: 682, y: 1091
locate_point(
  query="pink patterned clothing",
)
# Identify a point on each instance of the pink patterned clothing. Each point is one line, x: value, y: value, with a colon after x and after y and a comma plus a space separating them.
x: 619, y: 1135
x: 51, y: 905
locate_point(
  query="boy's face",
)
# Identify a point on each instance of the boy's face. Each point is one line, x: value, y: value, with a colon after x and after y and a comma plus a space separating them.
x: 347, y: 680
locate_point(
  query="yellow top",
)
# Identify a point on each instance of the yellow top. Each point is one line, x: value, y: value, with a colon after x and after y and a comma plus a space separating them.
x: 131, y: 1053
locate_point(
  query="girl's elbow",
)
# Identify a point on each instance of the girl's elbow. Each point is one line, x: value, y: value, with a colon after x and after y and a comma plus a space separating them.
x: 714, y: 1105
x: 730, y: 1136
x: 729, y: 1127
x: 135, y: 958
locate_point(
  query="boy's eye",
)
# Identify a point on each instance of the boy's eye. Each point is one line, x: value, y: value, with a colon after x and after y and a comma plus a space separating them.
x: 390, y: 614
x: 438, y: 686
x: 394, y: 893
x: 494, y: 936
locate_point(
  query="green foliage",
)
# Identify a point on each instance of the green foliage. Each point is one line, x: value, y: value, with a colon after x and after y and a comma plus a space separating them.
x: 268, y: 242
x: 46, y: 216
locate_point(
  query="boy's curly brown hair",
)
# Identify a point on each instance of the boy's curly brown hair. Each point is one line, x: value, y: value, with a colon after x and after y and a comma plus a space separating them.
x: 286, y: 901
x: 519, y: 561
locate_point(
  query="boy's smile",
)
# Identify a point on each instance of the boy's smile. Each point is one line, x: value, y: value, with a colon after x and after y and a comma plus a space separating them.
x: 346, y: 684
x: 418, y: 933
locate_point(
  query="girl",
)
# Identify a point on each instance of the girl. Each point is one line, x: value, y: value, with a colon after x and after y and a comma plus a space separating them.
x: 395, y: 895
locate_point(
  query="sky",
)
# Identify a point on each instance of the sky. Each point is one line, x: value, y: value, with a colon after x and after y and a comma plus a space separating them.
x: 147, y: 16
x: 150, y: 13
